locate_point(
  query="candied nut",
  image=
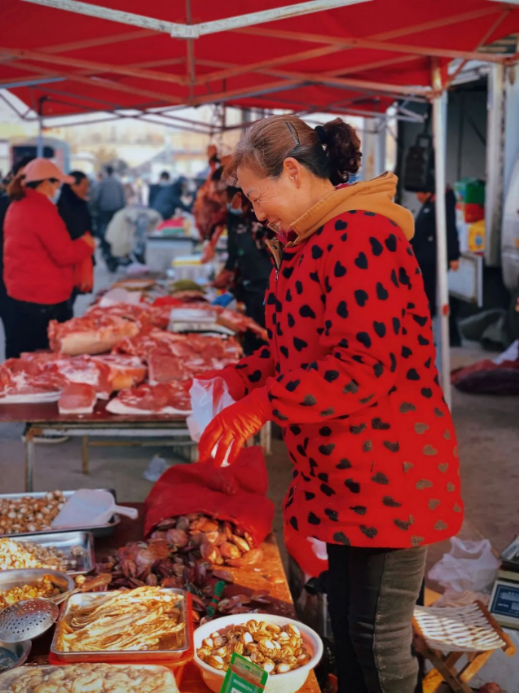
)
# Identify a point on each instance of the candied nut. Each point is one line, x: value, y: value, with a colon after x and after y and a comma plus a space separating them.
x: 283, y: 668
x: 216, y: 662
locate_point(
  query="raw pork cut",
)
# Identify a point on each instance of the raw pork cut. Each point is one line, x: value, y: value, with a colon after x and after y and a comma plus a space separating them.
x: 77, y: 398
x: 163, y: 367
x: 125, y: 371
x: 34, y: 371
x: 146, y: 340
x: 95, y: 333
x: 22, y: 381
x: 164, y: 399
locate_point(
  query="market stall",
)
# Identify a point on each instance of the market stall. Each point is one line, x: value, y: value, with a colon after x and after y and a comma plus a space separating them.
x: 197, y: 566
x: 121, y: 374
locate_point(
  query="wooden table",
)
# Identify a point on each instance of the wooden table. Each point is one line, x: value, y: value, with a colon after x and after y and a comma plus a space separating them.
x: 269, y: 577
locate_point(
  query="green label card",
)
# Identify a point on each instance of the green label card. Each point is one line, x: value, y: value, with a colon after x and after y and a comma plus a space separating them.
x: 244, y: 677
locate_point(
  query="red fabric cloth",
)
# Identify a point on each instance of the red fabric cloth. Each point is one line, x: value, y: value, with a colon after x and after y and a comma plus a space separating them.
x: 236, y: 493
x: 39, y: 255
x: 351, y: 376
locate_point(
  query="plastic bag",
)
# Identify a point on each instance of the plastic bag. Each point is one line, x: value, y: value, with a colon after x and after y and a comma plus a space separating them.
x: 469, y: 565
x: 155, y: 469
x: 208, y: 398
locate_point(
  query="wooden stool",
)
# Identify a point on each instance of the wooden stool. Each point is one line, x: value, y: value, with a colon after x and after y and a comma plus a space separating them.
x: 444, y: 636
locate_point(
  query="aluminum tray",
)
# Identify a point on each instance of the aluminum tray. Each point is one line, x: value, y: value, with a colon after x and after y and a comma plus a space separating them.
x: 99, y: 531
x: 64, y: 542
x: 176, y: 655
x: 30, y: 576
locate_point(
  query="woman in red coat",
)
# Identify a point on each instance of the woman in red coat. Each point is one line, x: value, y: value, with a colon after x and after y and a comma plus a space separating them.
x: 350, y: 376
x: 39, y: 256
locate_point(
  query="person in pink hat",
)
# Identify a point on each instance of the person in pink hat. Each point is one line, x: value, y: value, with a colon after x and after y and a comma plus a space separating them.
x: 39, y: 256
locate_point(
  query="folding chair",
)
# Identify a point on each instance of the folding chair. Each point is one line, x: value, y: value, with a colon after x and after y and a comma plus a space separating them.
x: 444, y: 636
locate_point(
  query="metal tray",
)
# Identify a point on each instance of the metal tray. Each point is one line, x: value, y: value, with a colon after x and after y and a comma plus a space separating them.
x: 30, y: 576
x: 99, y: 531
x: 176, y: 655
x: 64, y: 542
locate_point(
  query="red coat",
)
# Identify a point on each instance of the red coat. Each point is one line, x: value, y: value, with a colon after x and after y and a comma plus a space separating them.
x: 39, y: 255
x: 352, y: 380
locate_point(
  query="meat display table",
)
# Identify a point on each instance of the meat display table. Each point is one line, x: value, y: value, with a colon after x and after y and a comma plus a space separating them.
x: 108, y: 430
x: 271, y: 576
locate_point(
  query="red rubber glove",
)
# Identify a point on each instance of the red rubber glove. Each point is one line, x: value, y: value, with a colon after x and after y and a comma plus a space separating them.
x: 235, y: 425
x: 235, y: 384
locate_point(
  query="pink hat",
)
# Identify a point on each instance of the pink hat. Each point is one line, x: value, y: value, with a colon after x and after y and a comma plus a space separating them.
x: 43, y: 169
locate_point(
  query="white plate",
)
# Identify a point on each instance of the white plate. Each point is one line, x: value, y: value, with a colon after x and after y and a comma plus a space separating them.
x: 33, y: 398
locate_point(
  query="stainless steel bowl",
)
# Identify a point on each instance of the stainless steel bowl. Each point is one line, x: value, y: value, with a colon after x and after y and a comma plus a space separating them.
x: 30, y: 576
x: 20, y: 650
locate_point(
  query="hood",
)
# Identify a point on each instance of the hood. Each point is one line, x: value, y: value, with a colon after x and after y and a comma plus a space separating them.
x: 369, y: 196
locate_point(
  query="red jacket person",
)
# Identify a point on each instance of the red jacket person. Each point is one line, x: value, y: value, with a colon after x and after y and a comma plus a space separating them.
x: 350, y: 376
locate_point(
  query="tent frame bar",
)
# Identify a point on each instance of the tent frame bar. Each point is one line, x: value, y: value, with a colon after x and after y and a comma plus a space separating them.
x: 194, y: 31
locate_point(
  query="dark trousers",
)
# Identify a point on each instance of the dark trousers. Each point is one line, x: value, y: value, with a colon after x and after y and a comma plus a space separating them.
x: 103, y: 220
x: 372, y: 594
x: 28, y: 323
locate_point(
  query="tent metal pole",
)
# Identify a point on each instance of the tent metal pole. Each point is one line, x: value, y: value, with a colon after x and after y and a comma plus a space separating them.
x: 39, y: 141
x: 440, y: 141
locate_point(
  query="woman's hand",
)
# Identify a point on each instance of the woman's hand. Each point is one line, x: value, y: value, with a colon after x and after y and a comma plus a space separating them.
x: 88, y: 239
x: 224, y: 279
x: 234, y: 426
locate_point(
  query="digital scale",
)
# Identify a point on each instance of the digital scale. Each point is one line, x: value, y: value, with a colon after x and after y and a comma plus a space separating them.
x: 504, y: 601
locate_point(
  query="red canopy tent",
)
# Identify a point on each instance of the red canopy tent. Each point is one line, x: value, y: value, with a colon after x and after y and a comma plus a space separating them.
x: 348, y: 58
x: 64, y: 57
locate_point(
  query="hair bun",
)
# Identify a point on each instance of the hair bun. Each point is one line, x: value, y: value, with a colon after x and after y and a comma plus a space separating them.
x: 342, y: 149
x: 321, y: 134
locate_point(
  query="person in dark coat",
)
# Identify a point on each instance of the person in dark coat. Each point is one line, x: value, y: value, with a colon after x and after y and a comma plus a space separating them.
x: 166, y: 198
x: 424, y: 246
x: 108, y: 198
x: 249, y: 262
x: 74, y: 210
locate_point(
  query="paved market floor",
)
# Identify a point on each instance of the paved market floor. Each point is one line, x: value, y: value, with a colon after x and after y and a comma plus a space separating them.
x: 487, y: 429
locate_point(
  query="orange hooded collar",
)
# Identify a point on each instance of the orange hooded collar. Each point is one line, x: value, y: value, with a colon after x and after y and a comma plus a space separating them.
x: 368, y: 196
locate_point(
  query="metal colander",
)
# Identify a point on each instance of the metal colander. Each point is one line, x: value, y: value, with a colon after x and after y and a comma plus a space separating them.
x: 27, y: 619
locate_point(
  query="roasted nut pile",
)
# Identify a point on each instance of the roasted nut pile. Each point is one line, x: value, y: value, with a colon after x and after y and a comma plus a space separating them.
x: 43, y: 588
x: 15, y: 555
x: 28, y: 514
x: 218, y: 541
x: 278, y: 649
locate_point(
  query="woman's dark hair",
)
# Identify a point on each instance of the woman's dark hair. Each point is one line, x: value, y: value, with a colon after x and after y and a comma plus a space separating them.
x: 16, y: 190
x: 78, y: 176
x: 329, y: 151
